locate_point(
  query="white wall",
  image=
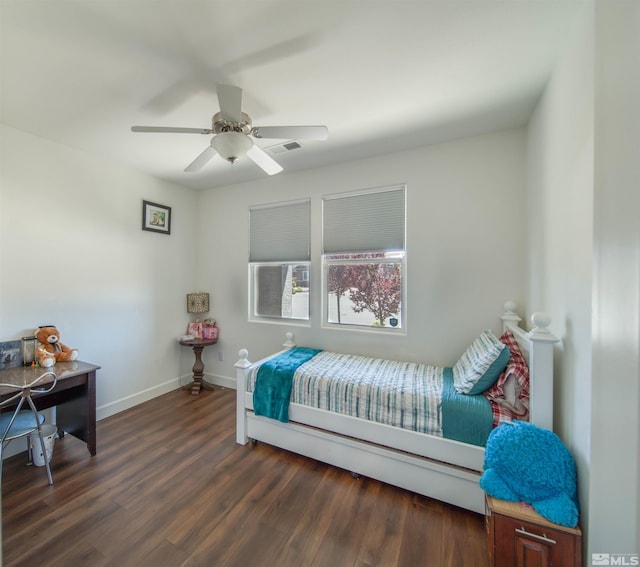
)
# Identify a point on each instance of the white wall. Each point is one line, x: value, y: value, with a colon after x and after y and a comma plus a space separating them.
x: 560, y: 246
x: 72, y: 253
x: 465, y: 247
x: 583, y: 251
x: 615, y: 433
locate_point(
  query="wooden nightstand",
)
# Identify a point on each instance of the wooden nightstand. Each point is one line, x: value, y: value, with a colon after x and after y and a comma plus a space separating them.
x: 519, y: 536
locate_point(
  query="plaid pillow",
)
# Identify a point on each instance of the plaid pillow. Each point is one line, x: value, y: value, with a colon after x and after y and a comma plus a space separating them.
x: 481, y: 364
x: 509, y: 396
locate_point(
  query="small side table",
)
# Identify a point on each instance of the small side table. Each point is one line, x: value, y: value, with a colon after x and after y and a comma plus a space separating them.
x: 198, y: 368
x: 518, y: 536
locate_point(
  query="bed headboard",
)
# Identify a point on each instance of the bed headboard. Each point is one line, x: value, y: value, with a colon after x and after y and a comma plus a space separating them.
x: 537, y: 348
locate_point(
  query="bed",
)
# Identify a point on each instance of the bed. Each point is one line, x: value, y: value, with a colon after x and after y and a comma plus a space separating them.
x: 424, y: 462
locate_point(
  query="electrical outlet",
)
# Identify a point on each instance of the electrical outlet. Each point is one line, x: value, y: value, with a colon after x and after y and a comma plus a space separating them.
x: 221, y: 356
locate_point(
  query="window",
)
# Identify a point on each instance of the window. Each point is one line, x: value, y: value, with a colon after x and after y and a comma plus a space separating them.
x: 363, y: 238
x: 364, y: 289
x: 279, y: 266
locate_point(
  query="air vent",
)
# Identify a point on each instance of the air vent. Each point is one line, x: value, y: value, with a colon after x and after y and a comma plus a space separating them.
x: 286, y: 147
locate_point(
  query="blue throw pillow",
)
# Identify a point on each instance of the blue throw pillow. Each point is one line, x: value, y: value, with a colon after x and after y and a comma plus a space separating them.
x: 490, y: 377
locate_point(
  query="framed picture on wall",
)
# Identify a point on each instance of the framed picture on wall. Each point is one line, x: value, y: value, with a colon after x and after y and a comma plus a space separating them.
x: 156, y: 218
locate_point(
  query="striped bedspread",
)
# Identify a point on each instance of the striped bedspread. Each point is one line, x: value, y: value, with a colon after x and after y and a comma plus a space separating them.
x: 413, y: 396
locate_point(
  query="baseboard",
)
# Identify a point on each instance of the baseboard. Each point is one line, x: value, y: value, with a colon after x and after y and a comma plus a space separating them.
x: 134, y: 399
x: 223, y: 381
x: 145, y: 395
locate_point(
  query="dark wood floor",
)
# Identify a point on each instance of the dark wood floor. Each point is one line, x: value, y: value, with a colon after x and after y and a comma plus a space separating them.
x: 170, y: 487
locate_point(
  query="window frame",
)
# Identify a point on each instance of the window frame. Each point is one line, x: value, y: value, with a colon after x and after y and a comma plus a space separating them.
x: 273, y: 241
x: 397, y: 254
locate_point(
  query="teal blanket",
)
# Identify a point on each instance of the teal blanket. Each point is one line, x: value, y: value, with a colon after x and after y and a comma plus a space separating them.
x: 457, y: 410
x: 273, y: 383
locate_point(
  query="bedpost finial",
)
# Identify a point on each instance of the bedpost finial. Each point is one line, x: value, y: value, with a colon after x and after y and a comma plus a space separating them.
x: 510, y: 307
x: 540, y: 331
x: 540, y: 320
x: 509, y: 317
x: 289, y: 342
x: 243, y: 358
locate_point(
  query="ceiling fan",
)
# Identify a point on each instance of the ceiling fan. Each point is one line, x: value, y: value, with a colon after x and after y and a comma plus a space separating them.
x: 233, y: 130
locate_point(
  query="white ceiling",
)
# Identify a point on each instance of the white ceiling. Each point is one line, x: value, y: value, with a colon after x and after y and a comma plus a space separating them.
x: 383, y: 75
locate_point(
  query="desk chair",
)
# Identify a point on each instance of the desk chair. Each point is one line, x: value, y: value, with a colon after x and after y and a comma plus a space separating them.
x: 21, y: 423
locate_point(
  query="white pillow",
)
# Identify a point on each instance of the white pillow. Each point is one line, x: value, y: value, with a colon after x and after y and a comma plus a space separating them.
x: 481, y: 364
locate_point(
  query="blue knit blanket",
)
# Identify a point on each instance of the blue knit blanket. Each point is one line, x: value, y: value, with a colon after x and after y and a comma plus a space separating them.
x: 273, y: 383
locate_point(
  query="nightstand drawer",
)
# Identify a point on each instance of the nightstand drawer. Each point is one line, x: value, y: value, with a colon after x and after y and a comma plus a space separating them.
x: 519, y: 537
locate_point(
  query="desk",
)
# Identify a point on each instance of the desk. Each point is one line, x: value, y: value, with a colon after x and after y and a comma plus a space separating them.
x: 74, y: 396
x: 198, y: 368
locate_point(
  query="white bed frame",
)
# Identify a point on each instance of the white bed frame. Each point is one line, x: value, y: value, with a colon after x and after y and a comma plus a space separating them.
x: 433, y: 466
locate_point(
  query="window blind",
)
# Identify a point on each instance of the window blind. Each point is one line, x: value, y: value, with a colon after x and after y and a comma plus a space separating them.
x: 280, y: 232
x: 366, y: 221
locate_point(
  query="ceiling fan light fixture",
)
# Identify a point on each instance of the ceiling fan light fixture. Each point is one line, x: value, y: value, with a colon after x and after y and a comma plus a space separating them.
x: 232, y: 145
x: 234, y: 132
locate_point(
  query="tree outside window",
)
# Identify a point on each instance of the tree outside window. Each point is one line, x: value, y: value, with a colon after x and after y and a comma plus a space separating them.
x: 364, y: 292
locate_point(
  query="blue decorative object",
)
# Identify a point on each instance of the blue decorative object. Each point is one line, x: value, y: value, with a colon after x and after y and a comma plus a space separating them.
x: 525, y: 463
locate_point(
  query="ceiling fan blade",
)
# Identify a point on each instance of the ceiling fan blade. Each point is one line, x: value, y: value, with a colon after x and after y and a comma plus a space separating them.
x: 171, y: 130
x: 198, y: 163
x: 230, y: 100
x: 261, y: 158
x: 291, y: 132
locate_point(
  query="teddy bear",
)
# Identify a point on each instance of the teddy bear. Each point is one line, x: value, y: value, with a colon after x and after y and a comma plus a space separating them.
x: 49, y: 349
x: 525, y: 463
